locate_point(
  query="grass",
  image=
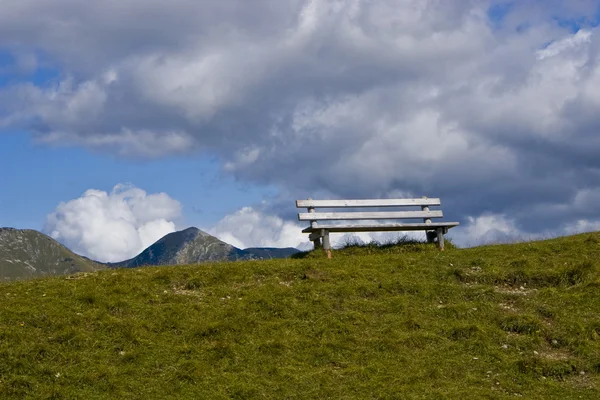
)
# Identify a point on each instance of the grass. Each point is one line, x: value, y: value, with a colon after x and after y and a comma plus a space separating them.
x: 404, y: 321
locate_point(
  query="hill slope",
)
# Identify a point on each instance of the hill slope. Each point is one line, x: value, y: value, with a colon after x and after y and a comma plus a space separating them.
x: 266, y: 253
x: 411, y: 322
x: 192, y: 246
x: 28, y: 253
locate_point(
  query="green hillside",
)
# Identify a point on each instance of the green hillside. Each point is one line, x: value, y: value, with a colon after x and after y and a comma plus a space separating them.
x: 406, y: 322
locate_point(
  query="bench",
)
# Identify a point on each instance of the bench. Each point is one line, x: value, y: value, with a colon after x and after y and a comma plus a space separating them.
x: 417, y: 209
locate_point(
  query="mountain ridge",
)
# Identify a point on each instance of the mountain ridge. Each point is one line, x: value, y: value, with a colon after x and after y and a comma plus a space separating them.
x: 193, y: 246
x: 27, y: 253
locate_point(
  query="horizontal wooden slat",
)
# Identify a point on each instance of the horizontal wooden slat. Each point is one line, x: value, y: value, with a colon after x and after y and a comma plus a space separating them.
x: 382, y: 227
x: 367, y: 203
x: 317, y: 216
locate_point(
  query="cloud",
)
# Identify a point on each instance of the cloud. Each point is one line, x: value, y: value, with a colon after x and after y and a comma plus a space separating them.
x: 487, y: 229
x: 498, y: 229
x: 569, y: 43
x: 113, y: 226
x: 582, y: 226
x: 248, y: 227
x: 494, y: 114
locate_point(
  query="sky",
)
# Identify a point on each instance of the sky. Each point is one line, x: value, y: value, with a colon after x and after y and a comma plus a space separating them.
x: 122, y: 121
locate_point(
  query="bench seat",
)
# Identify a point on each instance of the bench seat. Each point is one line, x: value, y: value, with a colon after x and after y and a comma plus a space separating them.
x: 415, y: 226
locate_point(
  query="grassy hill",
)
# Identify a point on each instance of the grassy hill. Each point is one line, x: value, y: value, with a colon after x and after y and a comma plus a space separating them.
x: 408, y: 322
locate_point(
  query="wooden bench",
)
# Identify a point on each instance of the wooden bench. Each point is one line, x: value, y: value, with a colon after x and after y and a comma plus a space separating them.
x: 319, y: 232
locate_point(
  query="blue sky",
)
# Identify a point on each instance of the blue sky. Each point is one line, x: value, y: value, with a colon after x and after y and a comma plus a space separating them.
x: 44, y: 175
x: 39, y: 177
x: 234, y: 110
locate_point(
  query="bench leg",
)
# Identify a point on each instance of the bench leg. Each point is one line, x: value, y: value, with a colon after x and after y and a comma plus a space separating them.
x: 440, y: 238
x: 431, y: 235
x: 315, y: 237
x: 317, y: 243
x: 327, y: 244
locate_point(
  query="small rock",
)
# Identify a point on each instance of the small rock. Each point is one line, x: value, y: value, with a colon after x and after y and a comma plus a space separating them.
x: 505, y: 346
x: 554, y: 341
x: 582, y: 373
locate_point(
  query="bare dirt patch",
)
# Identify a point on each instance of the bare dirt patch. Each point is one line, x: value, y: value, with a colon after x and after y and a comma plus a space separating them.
x: 519, y: 291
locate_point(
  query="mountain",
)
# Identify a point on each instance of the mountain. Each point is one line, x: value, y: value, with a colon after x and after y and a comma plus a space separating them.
x: 26, y: 253
x: 192, y: 246
x: 189, y: 246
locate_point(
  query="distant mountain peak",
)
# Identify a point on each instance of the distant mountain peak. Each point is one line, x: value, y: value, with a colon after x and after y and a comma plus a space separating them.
x: 189, y: 246
x: 26, y: 253
x: 187, y: 234
x: 192, y: 230
x: 192, y: 246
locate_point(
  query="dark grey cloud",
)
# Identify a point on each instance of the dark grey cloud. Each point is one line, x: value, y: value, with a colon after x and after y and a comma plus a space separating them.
x: 495, y: 113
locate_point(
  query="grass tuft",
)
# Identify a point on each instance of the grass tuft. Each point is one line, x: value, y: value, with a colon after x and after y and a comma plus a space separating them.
x: 521, y: 324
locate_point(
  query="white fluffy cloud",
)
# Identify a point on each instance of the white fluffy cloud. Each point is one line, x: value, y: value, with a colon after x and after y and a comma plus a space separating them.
x: 113, y: 226
x: 248, y: 227
x: 581, y: 226
x: 488, y: 228
x: 498, y: 228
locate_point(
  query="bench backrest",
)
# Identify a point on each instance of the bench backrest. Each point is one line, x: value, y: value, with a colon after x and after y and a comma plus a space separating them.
x: 424, y: 203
